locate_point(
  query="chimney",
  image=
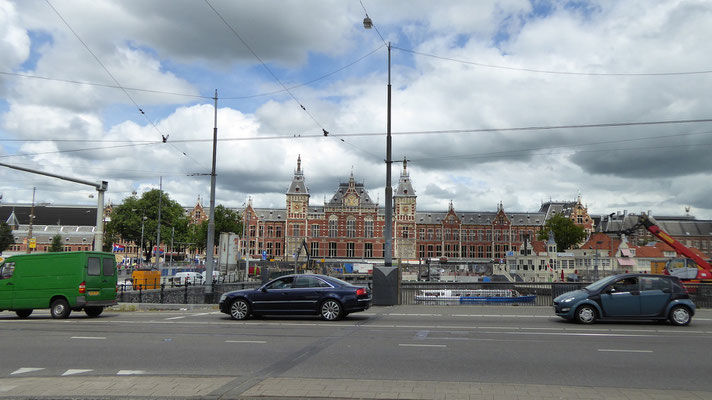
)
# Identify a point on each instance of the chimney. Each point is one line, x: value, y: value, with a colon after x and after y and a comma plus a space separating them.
x: 625, y: 213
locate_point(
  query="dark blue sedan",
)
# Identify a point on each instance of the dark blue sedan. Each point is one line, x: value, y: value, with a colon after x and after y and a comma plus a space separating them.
x: 306, y: 294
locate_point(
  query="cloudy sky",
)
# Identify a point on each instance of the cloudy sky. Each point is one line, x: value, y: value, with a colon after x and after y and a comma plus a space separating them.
x: 88, y: 89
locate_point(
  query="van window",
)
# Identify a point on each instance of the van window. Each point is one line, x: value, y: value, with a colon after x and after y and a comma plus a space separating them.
x: 7, y: 270
x: 107, y: 267
x: 93, y: 266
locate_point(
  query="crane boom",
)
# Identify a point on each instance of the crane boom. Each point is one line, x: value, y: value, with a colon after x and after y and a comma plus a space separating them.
x: 694, y: 267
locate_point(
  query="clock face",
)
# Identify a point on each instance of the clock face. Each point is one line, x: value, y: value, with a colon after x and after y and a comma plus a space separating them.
x: 297, y: 207
x: 351, y: 200
x: 404, y: 209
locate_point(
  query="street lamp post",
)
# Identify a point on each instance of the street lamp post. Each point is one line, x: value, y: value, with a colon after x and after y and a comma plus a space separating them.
x: 387, y: 232
x: 140, y: 260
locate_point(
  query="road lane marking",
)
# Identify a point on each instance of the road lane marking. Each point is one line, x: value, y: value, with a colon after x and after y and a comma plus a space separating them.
x: 131, y: 372
x: 415, y: 315
x: 175, y: 317
x: 358, y: 324
x: 246, y: 341
x: 76, y: 371
x: 570, y: 334
x: 7, y: 388
x: 500, y: 315
x: 420, y: 345
x: 89, y: 337
x: 626, y: 351
x: 25, y: 370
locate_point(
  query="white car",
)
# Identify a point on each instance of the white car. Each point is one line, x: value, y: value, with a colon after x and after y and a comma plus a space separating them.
x: 187, y: 278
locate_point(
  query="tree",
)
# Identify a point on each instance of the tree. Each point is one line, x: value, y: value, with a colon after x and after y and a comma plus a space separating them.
x: 226, y: 220
x: 57, y: 245
x: 128, y: 217
x: 566, y: 233
x: 6, y: 238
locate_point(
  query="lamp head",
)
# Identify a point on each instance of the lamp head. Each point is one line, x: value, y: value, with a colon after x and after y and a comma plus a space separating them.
x: 367, y: 23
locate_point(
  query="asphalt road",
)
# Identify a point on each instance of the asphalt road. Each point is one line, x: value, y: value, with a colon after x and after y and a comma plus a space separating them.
x: 525, y: 345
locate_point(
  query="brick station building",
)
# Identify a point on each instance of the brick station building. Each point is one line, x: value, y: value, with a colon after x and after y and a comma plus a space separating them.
x: 350, y: 226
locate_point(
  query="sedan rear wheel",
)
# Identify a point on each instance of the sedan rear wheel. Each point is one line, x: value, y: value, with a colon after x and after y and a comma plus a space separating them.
x: 585, y: 314
x: 680, y: 316
x: 331, y: 310
x: 239, y: 309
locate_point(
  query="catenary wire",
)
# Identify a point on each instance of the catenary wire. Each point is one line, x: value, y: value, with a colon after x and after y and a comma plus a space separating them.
x: 164, y: 137
x: 46, y: 78
x: 274, y: 76
x: 552, y: 72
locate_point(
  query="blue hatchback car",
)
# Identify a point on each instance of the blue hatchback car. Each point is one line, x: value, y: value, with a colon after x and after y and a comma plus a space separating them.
x: 627, y: 297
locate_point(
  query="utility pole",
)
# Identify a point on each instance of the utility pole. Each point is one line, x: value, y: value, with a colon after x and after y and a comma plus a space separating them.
x: 28, y: 250
x: 209, y: 248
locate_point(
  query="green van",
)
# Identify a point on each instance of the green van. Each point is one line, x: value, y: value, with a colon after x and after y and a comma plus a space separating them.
x: 61, y: 282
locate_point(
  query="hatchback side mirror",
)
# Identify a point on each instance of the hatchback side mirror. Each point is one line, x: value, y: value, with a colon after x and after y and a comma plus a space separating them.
x: 264, y: 289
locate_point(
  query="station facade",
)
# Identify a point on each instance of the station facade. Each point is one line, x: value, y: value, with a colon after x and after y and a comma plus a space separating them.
x: 350, y: 225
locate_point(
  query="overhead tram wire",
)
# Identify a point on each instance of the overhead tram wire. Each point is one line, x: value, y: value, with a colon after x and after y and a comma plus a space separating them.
x: 307, y: 82
x: 153, y: 91
x: 274, y: 76
x: 552, y: 72
x: 46, y: 78
x: 433, y: 132
x: 164, y: 137
x: 565, y: 146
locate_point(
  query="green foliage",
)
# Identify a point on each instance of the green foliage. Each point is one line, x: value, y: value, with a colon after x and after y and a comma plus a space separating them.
x: 225, y: 221
x: 57, y: 244
x: 128, y: 217
x: 566, y: 233
x: 6, y: 238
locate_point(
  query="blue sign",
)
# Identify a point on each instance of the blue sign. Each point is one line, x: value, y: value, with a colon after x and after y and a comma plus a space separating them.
x: 264, y: 255
x: 510, y: 254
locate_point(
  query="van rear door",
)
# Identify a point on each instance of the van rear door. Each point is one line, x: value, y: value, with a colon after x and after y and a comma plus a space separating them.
x: 7, y: 286
x: 100, y: 278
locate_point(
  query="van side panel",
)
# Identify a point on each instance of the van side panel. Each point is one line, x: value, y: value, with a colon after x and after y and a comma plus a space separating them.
x: 40, y: 277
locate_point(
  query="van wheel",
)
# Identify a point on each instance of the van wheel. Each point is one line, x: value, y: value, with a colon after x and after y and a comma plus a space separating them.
x: 23, y: 313
x: 93, y: 311
x: 60, y: 309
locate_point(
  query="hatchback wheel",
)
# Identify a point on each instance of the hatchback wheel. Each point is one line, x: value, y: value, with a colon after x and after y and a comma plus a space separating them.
x: 239, y: 309
x: 585, y: 314
x: 680, y: 316
x: 331, y: 310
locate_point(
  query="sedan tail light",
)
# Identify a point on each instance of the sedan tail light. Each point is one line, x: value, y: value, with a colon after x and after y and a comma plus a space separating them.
x: 360, y: 292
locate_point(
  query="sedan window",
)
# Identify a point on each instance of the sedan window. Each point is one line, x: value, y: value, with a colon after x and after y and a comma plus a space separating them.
x: 283, y: 283
x: 309, y: 282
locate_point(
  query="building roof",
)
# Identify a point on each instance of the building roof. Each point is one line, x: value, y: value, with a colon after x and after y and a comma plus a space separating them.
x: 50, y: 214
x: 337, y: 200
x: 298, y: 186
x: 480, y: 217
x: 405, y: 188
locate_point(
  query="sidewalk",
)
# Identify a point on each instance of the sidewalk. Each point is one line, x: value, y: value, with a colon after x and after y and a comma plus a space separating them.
x: 144, y: 387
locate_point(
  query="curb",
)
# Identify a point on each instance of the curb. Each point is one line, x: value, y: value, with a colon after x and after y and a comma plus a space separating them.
x: 161, y: 307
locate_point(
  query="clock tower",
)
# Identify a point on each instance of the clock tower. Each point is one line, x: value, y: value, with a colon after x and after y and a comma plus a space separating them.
x: 297, y: 207
x: 404, y: 217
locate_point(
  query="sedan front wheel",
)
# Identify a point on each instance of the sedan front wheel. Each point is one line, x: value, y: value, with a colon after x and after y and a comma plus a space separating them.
x: 239, y: 309
x: 331, y: 310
